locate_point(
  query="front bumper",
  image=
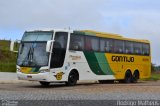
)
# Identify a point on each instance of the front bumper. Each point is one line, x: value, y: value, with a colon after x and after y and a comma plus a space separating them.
x: 34, y: 77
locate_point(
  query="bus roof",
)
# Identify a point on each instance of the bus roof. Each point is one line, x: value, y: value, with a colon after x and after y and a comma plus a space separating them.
x: 96, y: 33
x: 109, y: 35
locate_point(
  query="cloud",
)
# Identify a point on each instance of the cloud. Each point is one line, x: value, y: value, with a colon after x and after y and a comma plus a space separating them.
x: 49, y: 13
x: 136, y: 20
x: 130, y: 18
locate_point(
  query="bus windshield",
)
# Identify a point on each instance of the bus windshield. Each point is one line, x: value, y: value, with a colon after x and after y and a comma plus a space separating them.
x: 37, y: 36
x: 32, y: 51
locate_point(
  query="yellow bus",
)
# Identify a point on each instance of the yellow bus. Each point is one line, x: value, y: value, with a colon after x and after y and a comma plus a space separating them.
x: 125, y: 58
x: 60, y: 55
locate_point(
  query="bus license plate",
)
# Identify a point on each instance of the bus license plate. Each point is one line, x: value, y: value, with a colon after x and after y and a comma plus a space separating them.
x: 29, y: 76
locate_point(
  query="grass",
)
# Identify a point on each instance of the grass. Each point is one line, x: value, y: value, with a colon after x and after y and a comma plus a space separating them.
x: 8, y: 67
x: 4, y: 45
x: 154, y: 77
x: 7, y: 58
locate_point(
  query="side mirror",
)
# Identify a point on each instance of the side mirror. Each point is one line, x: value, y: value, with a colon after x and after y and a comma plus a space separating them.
x: 12, y: 46
x: 48, y: 46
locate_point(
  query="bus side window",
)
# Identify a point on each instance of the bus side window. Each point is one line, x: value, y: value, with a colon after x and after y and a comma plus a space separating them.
x: 95, y: 44
x: 57, y: 45
x: 76, y: 42
x: 105, y: 45
x: 102, y: 45
x: 118, y: 46
x: 128, y: 47
x: 92, y: 44
x: 137, y: 48
x: 59, y: 49
x: 146, y: 49
x: 108, y: 45
x: 88, y: 44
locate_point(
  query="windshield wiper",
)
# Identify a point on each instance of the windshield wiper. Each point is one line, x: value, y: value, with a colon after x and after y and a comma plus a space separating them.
x: 30, y: 54
x: 29, y: 57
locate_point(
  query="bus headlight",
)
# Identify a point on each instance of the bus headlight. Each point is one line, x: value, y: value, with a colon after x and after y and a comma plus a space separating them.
x: 44, y: 70
x: 18, y: 70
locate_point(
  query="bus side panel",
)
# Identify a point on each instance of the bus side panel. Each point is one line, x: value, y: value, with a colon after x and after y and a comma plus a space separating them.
x: 120, y: 63
x: 90, y: 65
x: 76, y: 60
x: 95, y: 66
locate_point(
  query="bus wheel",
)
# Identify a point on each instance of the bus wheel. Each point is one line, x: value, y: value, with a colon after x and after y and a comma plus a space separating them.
x: 72, y: 78
x: 135, y: 77
x: 44, y: 83
x: 128, y: 77
x: 106, y: 81
x: 101, y: 81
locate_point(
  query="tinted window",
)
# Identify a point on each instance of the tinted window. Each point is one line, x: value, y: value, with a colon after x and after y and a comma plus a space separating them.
x: 92, y: 44
x: 105, y: 45
x: 146, y: 49
x: 128, y: 47
x: 102, y: 45
x: 59, y: 49
x: 137, y: 48
x: 77, y: 42
x: 118, y: 46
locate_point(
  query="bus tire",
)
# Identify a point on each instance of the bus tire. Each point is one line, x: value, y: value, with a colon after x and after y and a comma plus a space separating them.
x: 44, y: 83
x: 135, y: 76
x: 106, y: 81
x: 101, y: 81
x: 72, y: 78
x: 128, y: 77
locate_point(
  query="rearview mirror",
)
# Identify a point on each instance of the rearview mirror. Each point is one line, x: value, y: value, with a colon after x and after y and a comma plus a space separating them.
x: 48, y: 46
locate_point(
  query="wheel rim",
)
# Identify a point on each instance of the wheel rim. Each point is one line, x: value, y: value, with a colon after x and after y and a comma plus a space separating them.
x: 128, y: 77
x: 135, y: 77
x: 72, y: 78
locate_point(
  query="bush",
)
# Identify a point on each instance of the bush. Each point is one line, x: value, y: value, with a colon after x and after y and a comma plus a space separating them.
x: 7, y: 58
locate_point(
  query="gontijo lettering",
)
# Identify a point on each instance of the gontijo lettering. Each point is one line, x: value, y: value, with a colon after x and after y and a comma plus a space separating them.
x: 122, y: 59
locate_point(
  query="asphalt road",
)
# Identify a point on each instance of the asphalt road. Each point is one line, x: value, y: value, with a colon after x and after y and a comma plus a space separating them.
x: 7, y: 76
x: 89, y: 92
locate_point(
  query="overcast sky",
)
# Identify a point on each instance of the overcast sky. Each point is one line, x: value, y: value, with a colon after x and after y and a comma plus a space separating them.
x: 130, y: 18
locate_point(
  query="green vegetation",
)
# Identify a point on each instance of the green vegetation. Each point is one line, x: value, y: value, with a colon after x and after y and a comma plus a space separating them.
x: 155, y: 73
x: 154, y: 77
x: 7, y: 58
